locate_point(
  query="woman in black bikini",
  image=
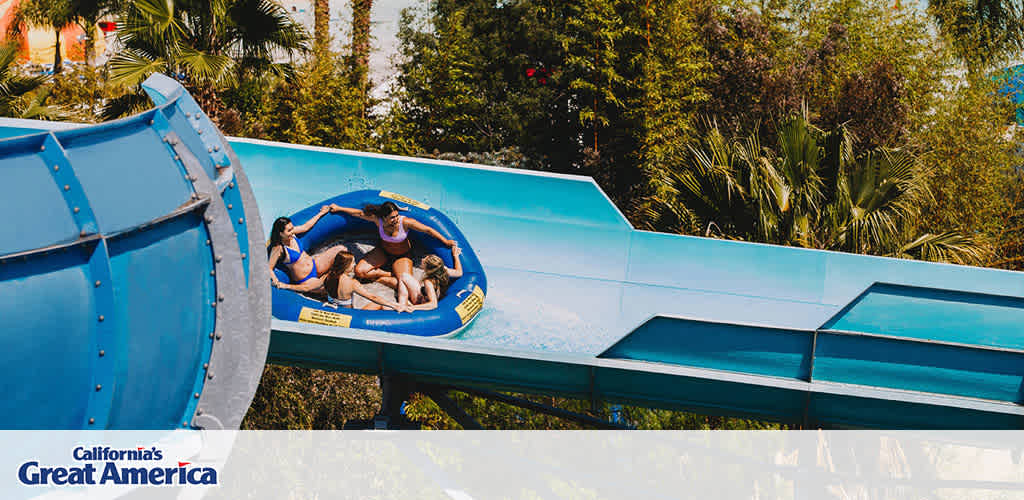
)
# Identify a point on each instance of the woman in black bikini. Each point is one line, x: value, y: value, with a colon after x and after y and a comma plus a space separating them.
x: 394, y: 246
x: 423, y: 296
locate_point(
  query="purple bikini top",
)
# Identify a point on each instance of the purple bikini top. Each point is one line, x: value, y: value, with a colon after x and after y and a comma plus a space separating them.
x: 400, y: 237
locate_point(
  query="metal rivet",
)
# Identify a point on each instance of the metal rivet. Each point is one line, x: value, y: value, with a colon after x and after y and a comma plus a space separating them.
x: 98, y: 387
x: 230, y: 206
x: 217, y: 258
x: 199, y: 411
x: 196, y: 395
x: 42, y: 148
x: 213, y: 273
x: 200, y: 131
x: 211, y: 335
x: 56, y: 168
x: 206, y: 366
x: 177, y: 158
x: 151, y: 122
x: 92, y: 421
x: 167, y: 140
x: 220, y: 298
x: 67, y: 187
x: 213, y: 304
x: 209, y: 150
x: 82, y: 233
x: 75, y: 210
x: 241, y: 220
x: 209, y: 219
x: 184, y: 424
x: 102, y: 353
x: 243, y: 256
x: 101, y: 317
x: 207, y: 242
x: 188, y: 115
x: 216, y: 148
x: 210, y: 376
x: 218, y: 336
x: 98, y: 283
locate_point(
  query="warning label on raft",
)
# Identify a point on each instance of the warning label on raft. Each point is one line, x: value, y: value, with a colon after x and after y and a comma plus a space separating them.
x: 472, y: 305
x: 316, y: 316
x: 404, y: 199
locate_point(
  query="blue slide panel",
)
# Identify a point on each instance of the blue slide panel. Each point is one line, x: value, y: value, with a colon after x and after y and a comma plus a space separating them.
x: 153, y: 352
x: 926, y: 367
x: 153, y: 184
x: 833, y: 410
x: 929, y: 313
x: 738, y: 348
x: 46, y: 314
x: 39, y: 216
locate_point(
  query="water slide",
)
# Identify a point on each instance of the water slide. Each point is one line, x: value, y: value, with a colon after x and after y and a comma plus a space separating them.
x: 579, y: 304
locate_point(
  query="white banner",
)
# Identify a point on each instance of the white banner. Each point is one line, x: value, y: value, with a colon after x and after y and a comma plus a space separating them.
x: 511, y: 465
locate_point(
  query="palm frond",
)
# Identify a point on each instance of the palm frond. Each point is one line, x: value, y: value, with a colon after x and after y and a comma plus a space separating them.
x: 131, y: 67
x: 950, y: 247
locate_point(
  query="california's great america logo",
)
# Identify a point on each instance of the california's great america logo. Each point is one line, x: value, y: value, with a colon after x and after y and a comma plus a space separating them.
x: 104, y: 465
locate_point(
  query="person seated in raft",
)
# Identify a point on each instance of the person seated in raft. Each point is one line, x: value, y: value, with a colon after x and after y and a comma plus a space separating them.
x: 394, y: 247
x: 436, y: 279
x: 284, y: 248
x: 341, y: 288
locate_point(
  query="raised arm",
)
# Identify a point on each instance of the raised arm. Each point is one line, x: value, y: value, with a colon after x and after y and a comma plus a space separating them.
x: 354, y: 212
x: 376, y: 299
x: 275, y: 257
x: 306, y: 286
x: 416, y: 225
x: 312, y: 221
x: 457, y: 272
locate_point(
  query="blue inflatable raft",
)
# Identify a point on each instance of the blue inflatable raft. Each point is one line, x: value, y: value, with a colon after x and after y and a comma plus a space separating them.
x: 459, y: 306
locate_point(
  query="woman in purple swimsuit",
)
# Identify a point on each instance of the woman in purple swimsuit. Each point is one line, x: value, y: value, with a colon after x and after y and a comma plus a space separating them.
x: 394, y: 244
x: 284, y: 248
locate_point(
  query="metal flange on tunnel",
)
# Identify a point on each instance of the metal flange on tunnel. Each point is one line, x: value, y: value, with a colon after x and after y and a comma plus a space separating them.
x: 126, y: 259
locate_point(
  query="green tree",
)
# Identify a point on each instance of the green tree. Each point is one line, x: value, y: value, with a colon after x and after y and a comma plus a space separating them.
x: 53, y: 14
x: 983, y: 32
x: 23, y: 96
x: 212, y: 44
x: 361, y: 47
x: 319, y: 106
x: 812, y: 189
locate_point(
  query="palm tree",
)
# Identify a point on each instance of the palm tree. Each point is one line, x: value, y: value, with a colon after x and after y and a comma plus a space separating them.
x: 210, y: 44
x: 811, y: 190
x: 23, y: 96
x: 53, y: 14
x: 321, y: 23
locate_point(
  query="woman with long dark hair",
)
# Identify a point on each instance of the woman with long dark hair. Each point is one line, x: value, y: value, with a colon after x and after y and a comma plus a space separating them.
x: 285, y: 248
x: 394, y: 247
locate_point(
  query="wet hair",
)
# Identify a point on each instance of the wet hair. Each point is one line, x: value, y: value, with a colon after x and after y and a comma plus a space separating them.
x: 382, y: 210
x: 275, y: 233
x: 434, y: 270
x: 341, y: 262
